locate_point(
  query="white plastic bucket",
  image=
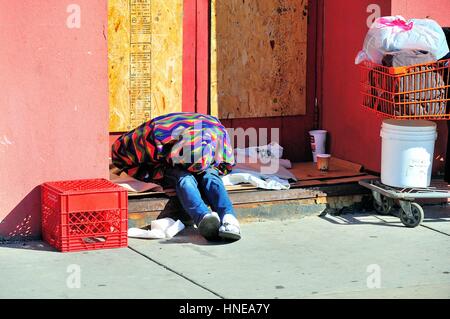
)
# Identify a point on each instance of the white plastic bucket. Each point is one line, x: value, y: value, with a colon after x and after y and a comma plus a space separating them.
x: 407, y: 152
x: 318, y: 139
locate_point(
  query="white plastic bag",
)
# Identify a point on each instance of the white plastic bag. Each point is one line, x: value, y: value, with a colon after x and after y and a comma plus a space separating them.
x: 394, y: 33
x: 160, y: 229
x: 263, y: 153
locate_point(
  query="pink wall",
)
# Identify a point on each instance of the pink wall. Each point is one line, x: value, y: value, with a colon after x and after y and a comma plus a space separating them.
x: 53, y: 103
x: 432, y: 9
x: 354, y: 132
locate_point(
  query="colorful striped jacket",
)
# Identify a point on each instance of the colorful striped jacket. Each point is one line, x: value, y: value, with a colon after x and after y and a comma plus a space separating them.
x: 191, y: 141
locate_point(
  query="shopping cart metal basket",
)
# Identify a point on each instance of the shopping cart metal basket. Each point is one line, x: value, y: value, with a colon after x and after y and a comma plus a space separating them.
x: 411, y: 92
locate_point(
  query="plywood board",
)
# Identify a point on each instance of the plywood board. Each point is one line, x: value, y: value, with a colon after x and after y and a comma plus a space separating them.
x: 145, y: 50
x: 333, y: 181
x: 258, y: 58
x: 338, y: 168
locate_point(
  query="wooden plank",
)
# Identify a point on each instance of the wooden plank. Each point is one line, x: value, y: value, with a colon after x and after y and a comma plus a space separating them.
x: 345, y: 164
x: 240, y: 187
x: 133, y: 194
x: 267, y: 196
x: 165, y: 203
x: 258, y: 58
x: 347, y: 180
x: 152, y: 204
x: 310, y: 182
x: 119, y: 65
x: 167, y: 192
x: 309, y: 171
x: 347, y: 189
x: 344, y: 180
x: 145, y: 48
x: 167, y: 56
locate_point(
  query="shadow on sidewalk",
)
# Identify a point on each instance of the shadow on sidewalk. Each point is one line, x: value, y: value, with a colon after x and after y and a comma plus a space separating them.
x: 442, y: 215
x: 190, y: 235
x: 20, y: 229
x: 24, y: 221
x: 35, y: 245
x: 352, y: 220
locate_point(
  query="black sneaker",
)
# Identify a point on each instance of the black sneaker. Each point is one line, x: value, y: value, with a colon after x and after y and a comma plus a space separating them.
x: 209, y: 226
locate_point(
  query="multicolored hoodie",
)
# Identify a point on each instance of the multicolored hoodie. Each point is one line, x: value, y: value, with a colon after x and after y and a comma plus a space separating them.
x: 190, y: 141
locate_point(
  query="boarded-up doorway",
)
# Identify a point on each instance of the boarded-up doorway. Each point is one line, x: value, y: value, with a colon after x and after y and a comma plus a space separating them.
x: 258, y: 58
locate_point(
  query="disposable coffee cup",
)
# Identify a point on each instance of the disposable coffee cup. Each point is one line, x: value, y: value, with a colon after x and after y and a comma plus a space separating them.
x: 318, y: 139
x: 323, y: 162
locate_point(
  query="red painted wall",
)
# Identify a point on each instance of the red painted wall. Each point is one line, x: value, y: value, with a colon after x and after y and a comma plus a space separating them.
x: 189, y: 55
x: 437, y: 10
x: 196, y: 56
x: 53, y: 103
x: 354, y: 132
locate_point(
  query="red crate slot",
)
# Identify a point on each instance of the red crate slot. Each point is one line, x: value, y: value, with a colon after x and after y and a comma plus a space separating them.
x: 84, y: 215
x: 411, y: 92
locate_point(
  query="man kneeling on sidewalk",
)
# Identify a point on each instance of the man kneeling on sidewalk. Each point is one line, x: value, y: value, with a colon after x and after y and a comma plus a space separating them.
x: 187, y: 151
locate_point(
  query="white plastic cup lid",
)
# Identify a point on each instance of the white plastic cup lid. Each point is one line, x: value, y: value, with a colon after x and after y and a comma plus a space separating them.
x: 318, y: 132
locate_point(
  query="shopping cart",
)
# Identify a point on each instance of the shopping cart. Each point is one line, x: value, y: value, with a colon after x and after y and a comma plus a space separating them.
x: 411, y: 213
x: 410, y: 93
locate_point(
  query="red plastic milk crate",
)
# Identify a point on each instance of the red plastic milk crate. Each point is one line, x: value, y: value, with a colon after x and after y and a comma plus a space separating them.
x: 84, y: 215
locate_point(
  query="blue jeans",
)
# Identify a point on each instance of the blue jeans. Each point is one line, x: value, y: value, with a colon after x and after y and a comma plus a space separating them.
x: 196, y: 191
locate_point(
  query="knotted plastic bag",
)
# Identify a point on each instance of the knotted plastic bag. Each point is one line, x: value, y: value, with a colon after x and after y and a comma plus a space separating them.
x: 394, y: 33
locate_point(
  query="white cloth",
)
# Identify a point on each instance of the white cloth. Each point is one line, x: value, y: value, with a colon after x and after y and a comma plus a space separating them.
x: 160, y: 229
x: 260, y: 181
x: 262, y: 167
x: 263, y: 162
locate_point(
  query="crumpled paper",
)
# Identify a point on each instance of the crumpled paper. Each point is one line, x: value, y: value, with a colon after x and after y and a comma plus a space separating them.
x: 164, y: 228
x: 133, y: 185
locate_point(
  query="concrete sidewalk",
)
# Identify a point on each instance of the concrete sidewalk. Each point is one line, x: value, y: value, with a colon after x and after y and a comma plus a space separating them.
x: 345, y: 256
